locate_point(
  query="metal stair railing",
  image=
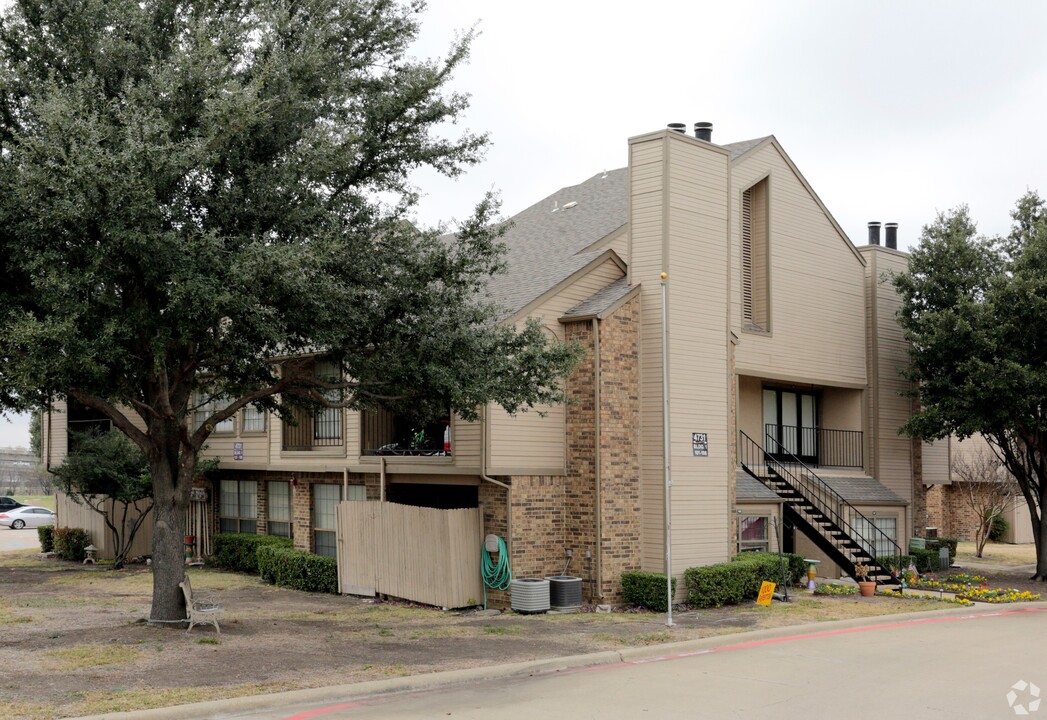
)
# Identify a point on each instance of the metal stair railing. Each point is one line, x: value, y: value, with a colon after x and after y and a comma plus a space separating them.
x: 817, y: 492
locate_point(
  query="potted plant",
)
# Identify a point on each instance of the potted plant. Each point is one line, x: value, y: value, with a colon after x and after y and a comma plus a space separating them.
x: 865, y: 585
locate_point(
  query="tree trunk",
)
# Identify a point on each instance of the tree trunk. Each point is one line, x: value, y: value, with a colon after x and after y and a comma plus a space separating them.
x: 1041, y: 539
x: 172, y: 469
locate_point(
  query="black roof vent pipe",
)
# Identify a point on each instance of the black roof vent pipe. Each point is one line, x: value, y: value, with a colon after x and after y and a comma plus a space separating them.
x: 891, y: 235
x: 678, y: 127
x: 874, y: 233
x: 703, y: 131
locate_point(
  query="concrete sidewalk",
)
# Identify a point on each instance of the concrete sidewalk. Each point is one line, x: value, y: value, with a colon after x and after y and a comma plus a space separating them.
x: 234, y: 707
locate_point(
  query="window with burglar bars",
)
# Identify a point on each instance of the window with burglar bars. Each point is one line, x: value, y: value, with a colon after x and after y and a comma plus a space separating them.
x: 238, y: 506
x: 206, y: 405
x: 321, y: 427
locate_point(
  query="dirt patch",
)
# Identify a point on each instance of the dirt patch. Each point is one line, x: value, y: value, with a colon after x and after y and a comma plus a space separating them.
x: 75, y: 640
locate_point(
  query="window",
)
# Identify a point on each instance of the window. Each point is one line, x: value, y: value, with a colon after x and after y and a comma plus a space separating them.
x: 882, y: 545
x: 278, y: 497
x: 83, y: 421
x: 253, y: 419
x: 386, y: 433
x: 314, y: 427
x: 328, y: 425
x: 754, y: 533
x: 208, y: 405
x: 238, y: 506
x: 755, y: 295
x: 325, y: 505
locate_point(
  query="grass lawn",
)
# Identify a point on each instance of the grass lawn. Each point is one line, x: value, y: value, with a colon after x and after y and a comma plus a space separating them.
x: 998, y: 553
x: 46, y: 501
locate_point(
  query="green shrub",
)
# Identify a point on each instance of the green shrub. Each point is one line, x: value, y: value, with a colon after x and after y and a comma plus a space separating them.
x: 739, y: 580
x: 646, y: 589
x: 925, y: 560
x: 999, y: 528
x: 69, y: 543
x: 721, y: 584
x: 896, y: 562
x: 771, y: 566
x: 46, y: 533
x: 936, y: 543
x: 238, y: 551
x: 297, y: 570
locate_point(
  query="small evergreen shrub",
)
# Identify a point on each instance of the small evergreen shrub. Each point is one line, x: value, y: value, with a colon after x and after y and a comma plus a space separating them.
x: 70, y: 543
x: 646, y: 590
x: 925, y: 560
x: 739, y: 580
x: 46, y: 533
x: 771, y: 566
x: 298, y: 570
x: 999, y: 528
x: 238, y: 551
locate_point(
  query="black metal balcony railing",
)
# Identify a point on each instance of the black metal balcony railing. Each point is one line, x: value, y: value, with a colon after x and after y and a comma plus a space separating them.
x: 821, y: 446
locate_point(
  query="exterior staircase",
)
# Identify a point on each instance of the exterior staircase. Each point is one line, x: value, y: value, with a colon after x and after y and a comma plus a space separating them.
x: 835, y: 526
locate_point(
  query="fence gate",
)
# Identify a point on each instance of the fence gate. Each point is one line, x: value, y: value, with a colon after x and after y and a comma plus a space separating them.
x: 420, y: 554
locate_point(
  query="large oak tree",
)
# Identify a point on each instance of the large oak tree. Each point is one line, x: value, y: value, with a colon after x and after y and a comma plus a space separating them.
x: 974, y: 311
x: 193, y: 192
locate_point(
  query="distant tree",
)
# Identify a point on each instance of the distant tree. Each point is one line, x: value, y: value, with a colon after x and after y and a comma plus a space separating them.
x: 110, y: 475
x: 35, y: 445
x: 974, y: 311
x: 985, y: 488
x: 198, y: 198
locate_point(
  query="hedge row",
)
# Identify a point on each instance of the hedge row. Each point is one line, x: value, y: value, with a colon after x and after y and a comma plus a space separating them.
x: 70, y: 543
x: 239, y: 551
x: 46, y: 533
x: 297, y: 570
x: 739, y: 580
x: 646, y: 590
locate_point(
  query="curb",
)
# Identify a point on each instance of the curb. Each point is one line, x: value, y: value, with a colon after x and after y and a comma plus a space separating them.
x: 415, y: 683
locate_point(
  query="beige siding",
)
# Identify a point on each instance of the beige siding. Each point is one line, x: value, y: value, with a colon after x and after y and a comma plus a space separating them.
x: 750, y: 408
x: 936, y: 462
x: 841, y: 409
x: 679, y: 220
x: 890, y: 457
x: 530, y: 443
x: 814, y: 280
x: 57, y: 442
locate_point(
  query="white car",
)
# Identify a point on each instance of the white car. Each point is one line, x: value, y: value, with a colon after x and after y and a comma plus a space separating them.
x: 27, y: 516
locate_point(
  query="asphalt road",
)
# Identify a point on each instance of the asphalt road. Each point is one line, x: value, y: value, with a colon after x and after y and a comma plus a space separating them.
x: 24, y: 539
x: 959, y: 666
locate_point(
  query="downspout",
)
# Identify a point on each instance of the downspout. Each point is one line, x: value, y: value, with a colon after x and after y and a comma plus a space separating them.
x: 597, y: 443
x: 381, y: 478
x: 508, y: 489
x: 345, y: 483
x: 47, y: 455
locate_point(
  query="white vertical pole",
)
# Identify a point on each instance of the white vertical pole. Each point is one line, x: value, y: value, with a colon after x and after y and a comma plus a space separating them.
x: 668, y: 478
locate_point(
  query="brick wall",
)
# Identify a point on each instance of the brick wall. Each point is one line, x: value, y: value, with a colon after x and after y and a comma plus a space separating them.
x: 620, y: 518
x: 579, y: 487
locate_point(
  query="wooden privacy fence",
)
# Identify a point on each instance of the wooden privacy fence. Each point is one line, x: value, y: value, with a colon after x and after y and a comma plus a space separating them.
x: 72, y: 515
x: 420, y: 554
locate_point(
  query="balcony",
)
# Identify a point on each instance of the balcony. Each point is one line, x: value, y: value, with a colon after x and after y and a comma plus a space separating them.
x: 824, y: 447
x: 385, y: 433
x: 314, y: 429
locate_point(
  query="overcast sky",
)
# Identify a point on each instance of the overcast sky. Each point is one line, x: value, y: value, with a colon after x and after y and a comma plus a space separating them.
x: 892, y: 110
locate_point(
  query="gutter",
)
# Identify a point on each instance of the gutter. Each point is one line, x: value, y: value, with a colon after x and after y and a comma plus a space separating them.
x: 508, y: 490
x: 598, y: 510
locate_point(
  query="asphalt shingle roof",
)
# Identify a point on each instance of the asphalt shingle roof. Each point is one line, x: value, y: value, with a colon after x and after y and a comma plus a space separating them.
x: 548, y: 241
x: 860, y: 489
x: 749, y: 488
x: 602, y: 300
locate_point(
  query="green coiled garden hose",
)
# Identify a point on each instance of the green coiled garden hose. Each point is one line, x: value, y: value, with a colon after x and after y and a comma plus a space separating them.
x: 496, y: 575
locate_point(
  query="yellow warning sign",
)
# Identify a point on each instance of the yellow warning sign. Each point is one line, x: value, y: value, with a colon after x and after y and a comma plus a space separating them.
x: 766, y: 593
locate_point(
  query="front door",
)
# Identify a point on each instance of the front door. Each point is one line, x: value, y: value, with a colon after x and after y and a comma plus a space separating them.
x: 790, y: 420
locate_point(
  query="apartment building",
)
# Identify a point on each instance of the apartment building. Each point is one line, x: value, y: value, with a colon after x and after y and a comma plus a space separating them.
x: 782, y: 366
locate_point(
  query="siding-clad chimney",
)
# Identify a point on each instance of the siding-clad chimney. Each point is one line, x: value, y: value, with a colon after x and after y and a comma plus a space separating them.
x: 703, y: 131
x: 891, y: 235
x: 874, y: 233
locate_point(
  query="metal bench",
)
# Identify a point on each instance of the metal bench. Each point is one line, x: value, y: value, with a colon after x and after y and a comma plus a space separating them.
x: 199, y: 611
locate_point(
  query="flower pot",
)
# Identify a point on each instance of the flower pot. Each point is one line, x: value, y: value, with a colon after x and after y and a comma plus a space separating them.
x: 867, y: 588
